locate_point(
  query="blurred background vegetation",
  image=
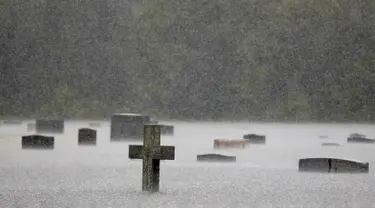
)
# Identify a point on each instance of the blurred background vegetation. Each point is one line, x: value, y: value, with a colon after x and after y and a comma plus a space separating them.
x: 271, y: 60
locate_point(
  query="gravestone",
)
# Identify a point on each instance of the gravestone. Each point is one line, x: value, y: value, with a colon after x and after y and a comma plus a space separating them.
x: 167, y: 129
x: 215, y: 158
x: 255, y: 139
x: 86, y: 136
x: 38, y: 142
x: 126, y: 126
x: 30, y: 127
x: 151, y: 152
x: 330, y: 144
x: 333, y: 165
x: 359, y: 138
x: 49, y: 126
x: 233, y: 143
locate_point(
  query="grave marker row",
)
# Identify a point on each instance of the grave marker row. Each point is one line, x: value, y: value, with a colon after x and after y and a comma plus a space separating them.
x: 85, y: 137
x: 124, y: 126
x: 151, y: 152
x: 41, y: 125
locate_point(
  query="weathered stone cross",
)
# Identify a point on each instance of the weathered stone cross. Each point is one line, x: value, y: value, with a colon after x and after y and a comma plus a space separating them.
x: 151, y: 152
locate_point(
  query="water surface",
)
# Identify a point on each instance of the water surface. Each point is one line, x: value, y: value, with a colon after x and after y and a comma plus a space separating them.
x: 263, y: 176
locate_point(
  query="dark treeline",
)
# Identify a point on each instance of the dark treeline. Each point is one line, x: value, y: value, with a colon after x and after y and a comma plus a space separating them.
x: 240, y: 59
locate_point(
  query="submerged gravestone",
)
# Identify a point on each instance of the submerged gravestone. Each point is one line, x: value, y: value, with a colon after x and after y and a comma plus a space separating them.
x: 359, y: 138
x: 151, y: 152
x: 255, y: 138
x: 167, y: 129
x: 128, y: 126
x: 231, y: 143
x: 330, y: 144
x: 38, y: 142
x: 215, y: 158
x: 86, y: 136
x: 49, y: 126
x: 332, y: 165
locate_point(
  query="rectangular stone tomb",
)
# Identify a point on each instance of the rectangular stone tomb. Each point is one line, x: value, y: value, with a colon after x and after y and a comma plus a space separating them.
x: 31, y: 126
x: 128, y: 126
x: 49, y: 126
x: 332, y: 165
x: 37, y: 142
x: 167, y: 129
x: 86, y: 136
x: 12, y: 122
x: 215, y: 158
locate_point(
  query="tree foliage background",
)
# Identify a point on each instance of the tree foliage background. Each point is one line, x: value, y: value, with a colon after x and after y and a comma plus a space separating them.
x: 241, y: 59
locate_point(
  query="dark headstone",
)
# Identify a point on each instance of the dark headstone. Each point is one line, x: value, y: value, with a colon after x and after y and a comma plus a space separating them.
x: 215, y: 158
x: 38, y: 142
x: 151, y: 152
x: 167, y: 129
x: 359, y: 138
x: 332, y: 165
x: 49, y: 126
x: 128, y: 126
x: 255, y: 139
x: 86, y: 136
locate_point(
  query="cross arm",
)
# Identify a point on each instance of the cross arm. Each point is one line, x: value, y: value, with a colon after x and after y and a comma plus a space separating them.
x: 159, y: 153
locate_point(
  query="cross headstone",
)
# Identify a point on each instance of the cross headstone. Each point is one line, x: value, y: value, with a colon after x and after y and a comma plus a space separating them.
x: 151, y: 152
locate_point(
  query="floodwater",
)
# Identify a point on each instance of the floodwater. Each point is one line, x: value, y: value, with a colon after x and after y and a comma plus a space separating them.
x: 263, y: 176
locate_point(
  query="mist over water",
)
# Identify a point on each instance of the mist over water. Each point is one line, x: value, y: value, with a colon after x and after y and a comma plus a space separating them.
x: 255, y: 60
x: 263, y: 176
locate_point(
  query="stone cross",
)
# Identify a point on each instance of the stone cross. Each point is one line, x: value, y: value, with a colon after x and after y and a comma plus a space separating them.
x: 151, y: 152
